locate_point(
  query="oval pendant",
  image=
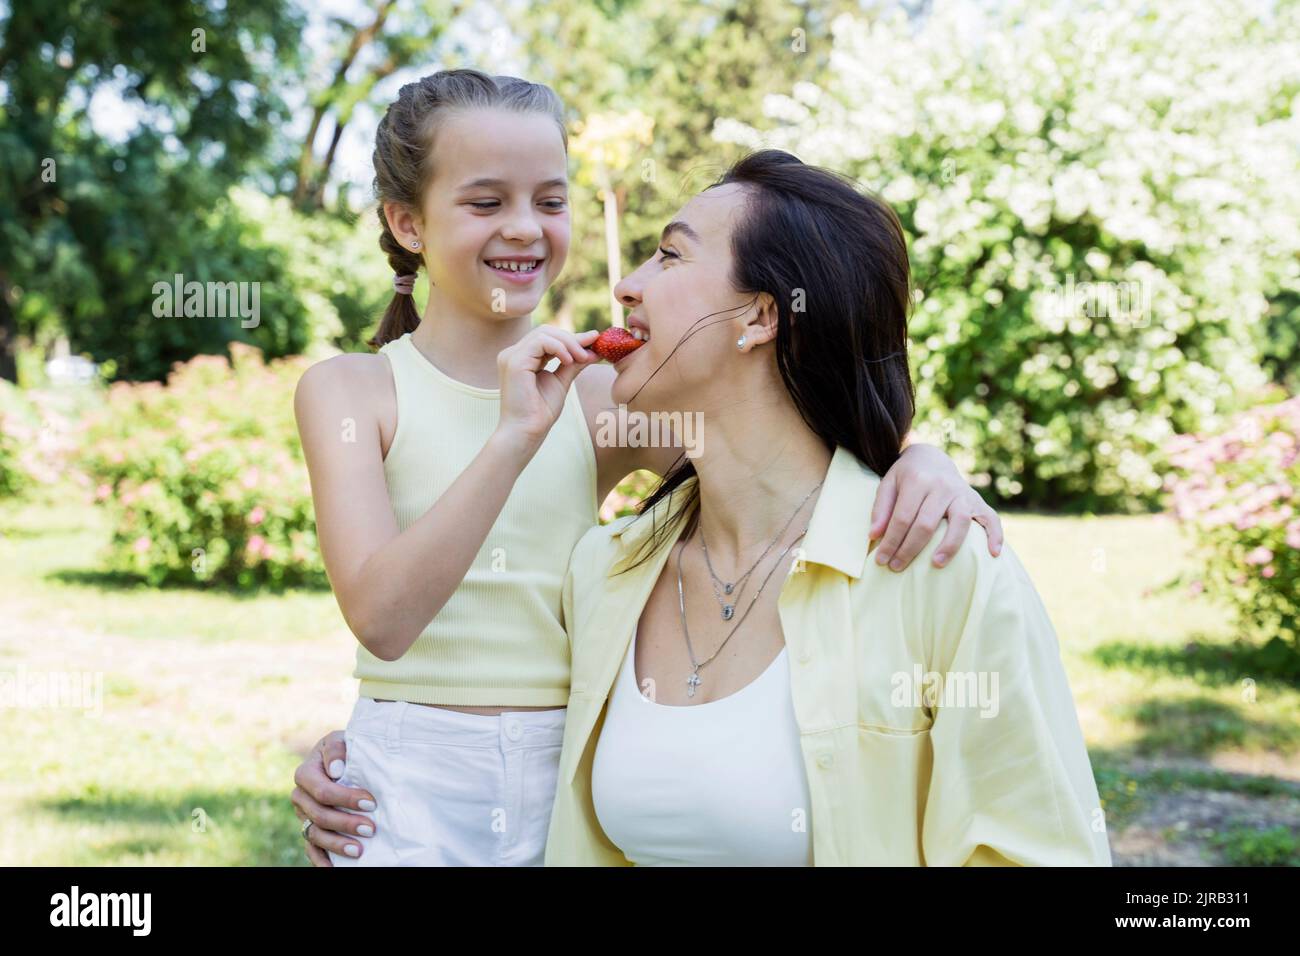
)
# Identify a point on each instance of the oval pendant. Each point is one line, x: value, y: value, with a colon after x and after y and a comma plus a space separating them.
x: 726, y: 588
x: 727, y: 611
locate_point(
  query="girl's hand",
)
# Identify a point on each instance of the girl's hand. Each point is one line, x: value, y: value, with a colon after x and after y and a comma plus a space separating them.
x: 319, y: 799
x: 923, y: 487
x: 532, y: 398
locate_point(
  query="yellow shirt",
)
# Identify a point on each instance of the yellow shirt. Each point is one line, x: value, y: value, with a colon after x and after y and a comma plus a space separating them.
x: 987, y: 768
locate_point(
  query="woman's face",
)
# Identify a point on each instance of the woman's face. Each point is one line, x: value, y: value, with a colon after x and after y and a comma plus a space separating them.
x: 688, y: 278
x: 499, y: 192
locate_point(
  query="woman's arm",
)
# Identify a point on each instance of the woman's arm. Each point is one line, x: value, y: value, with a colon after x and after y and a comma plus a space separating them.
x: 1011, y: 783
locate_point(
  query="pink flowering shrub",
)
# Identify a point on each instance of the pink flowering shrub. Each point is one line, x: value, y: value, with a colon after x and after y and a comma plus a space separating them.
x: 1239, y: 493
x: 204, y: 476
x: 30, y: 450
x: 15, y: 476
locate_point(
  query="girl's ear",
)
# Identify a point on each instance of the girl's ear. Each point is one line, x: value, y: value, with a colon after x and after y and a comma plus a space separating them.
x: 762, y: 323
x: 405, y: 226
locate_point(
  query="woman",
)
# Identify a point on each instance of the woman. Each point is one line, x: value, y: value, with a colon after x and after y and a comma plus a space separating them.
x: 837, y: 714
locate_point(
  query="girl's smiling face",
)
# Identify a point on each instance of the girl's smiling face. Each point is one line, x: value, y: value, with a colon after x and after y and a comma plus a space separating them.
x: 671, y: 294
x: 496, y: 215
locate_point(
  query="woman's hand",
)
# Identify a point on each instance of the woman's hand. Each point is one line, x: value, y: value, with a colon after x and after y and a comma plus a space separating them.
x: 319, y: 799
x: 922, y: 488
x: 532, y: 398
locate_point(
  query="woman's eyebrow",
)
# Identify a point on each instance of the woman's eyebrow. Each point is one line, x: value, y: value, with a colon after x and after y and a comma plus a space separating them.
x: 678, y: 226
x: 489, y: 183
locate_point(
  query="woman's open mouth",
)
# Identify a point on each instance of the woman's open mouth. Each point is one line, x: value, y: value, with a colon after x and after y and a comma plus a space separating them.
x: 518, y: 271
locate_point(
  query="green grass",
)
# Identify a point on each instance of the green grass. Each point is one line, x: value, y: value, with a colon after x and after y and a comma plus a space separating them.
x: 59, y: 543
x: 1246, y: 846
x: 1151, y: 671
x: 209, y: 697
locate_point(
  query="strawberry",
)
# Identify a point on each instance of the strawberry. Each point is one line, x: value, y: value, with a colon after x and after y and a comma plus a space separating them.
x: 615, y: 343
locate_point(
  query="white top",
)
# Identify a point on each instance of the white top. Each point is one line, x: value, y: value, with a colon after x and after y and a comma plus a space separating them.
x: 714, y: 784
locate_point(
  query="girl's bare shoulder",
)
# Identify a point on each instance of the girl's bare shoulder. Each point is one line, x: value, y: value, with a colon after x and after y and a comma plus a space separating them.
x: 361, y: 380
x: 349, y: 370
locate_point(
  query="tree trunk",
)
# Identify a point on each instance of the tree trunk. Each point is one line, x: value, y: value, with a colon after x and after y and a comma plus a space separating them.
x: 8, y: 335
x: 306, y: 158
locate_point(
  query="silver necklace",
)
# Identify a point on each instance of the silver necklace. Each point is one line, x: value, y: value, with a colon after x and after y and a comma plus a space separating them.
x: 693, y: 681
x: 728, y: 608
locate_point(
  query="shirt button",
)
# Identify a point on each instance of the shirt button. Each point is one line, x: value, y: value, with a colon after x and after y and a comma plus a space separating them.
x: 805, y: 657
x: 826, y: 761
x: 514, y: 729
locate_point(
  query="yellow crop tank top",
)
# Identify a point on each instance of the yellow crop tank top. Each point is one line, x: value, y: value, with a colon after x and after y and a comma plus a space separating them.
x: 499, y: 638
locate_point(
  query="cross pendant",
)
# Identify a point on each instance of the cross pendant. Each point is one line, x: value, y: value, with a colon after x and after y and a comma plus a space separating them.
x: 691, y: 683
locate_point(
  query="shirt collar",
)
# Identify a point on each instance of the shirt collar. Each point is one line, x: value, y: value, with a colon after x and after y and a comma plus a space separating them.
x: 837, y: 533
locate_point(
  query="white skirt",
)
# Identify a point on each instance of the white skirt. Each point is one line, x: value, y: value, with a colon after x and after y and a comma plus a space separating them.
x: 453, y: 789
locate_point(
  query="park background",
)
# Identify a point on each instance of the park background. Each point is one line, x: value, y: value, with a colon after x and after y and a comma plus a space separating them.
x: 1102, y: 202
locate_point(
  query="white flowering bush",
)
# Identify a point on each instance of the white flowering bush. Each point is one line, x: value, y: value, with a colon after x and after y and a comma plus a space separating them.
x: 1101, y: 207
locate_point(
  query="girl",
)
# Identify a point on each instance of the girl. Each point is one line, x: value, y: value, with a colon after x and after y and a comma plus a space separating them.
x: 447, y: 508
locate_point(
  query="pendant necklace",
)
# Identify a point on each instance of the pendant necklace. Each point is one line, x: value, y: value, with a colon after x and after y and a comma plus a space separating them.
x: 693, y: 681
x: 728, y: 608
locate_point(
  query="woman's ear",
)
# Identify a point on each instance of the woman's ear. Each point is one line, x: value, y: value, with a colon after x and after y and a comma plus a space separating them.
x: 762, y: 324
x: 405, y: 225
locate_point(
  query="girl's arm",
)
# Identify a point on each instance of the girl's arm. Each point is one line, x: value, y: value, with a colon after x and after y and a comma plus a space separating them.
x: 390, y: 584
x: 921, y: 488
x: 613, y: 462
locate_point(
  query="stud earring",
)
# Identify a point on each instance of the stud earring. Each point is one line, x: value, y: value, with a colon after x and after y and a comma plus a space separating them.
x: 415, y: 243
x: 740, y: 343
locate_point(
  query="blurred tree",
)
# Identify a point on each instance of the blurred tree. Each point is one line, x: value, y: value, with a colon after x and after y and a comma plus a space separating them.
x: 685, y: 66
x: 604, y: 141
x: 387, y: 39
x: 122, y: 124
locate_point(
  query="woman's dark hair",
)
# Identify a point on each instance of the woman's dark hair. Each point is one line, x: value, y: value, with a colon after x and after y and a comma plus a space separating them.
x: 404, y: 150
x: 834, y: 260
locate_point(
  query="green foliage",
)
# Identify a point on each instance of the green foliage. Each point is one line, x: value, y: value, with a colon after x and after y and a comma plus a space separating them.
x: 90, y: 221
x: 1118, y: 791
x: 204, y: 477
x: 627, y: 497
x: 1095, y: 216
x: 333, y: 271
x: 686, y: 65
x: 114, y: 318
x: 17, y: 434
x: 1236, y: 492
x: 34, y: 441
x: 1250, y: 846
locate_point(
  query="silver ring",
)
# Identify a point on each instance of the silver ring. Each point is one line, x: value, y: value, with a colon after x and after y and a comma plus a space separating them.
x: 302, y: 831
